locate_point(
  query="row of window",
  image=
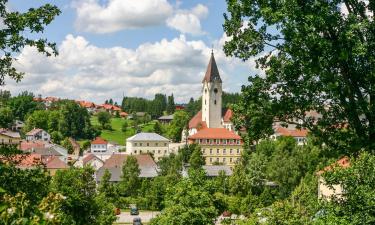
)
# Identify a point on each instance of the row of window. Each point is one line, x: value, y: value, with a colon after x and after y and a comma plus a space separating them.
x: 219, y: 141
x: 224, y: 160
x: 148, y: 144
x: 224, y: 151
x: 4, y: 142
x: 151, y: 151
x: 98, y: 146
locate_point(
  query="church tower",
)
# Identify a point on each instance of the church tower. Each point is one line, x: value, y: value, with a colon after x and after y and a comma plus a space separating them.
x: 211, y: 95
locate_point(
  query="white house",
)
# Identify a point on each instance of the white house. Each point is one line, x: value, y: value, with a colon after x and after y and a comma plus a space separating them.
x: 99, y: 145
x: 38, y: 134
x: 153, y: 143
x: 92, y: 160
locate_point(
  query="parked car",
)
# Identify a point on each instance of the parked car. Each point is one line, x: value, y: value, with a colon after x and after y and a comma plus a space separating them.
x: 134, y: 210
x: 137, y: 221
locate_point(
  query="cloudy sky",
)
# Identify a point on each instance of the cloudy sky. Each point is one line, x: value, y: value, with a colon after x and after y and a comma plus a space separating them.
x: 111, y: 48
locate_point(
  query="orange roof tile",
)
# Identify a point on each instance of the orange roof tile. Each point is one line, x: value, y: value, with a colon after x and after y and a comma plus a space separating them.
x: 117, y: 160
x: 27, y: 145
x: 215, y: 133
x: 343, y: 163
x: 30, y: 160
x: 99, y: 141
x: 196, y: 122
x: 291, y: 132
x: 228, y: 115
x: 124, y: 114
x: 55, y: 162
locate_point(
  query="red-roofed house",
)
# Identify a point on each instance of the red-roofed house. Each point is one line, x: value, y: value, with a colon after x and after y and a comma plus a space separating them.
x: 54, y: 163
x: 218, y: 145
x: 110, y: 108
x: 326, y: 192
x: 99, y: 145
x: 92, y: 160
x: 28, y: 145
x: 299, y: 135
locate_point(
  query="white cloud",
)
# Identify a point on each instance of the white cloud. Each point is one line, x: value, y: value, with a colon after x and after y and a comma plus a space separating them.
x: 188, y: 21
x: 85, y: 71
x: 120, y: 14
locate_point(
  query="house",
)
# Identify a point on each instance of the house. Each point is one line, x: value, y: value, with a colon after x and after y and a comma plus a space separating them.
x: 124, y: 114
x: 326, y: 192
x: 90, y: 106
x: 112, y: 109
x: 114, y: 165
x: 99, y: 145
x: 28, y: 145
x: 53, y: 164
x: 38, y: 134
x: 180, y: 107
x: 152, y: 143
x: 300, y: 135
x: 165, y: 119
x: 18, y: 125
x: 92, y: 160
x: 9, y: 137
x: 218, y: 145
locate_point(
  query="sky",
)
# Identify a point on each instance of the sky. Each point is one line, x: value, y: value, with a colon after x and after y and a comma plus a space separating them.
x: 114, y: 48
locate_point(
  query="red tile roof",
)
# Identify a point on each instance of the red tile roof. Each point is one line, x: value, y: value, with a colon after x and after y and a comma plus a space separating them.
x: 27, y: 145
x: 291, y: 132
x: 99, y: 141
x: 343, y: 163
x: 228, y: 115
x: 86, y: 104
x: 215, y: 133
x: 196, y: 122
x: 117, y: 160
x: 88, y: 158
x: 30, y: 160
x: 123, y: 114
x: 55, y: 162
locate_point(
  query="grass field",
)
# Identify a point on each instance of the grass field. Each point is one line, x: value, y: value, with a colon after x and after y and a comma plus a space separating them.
x: 116, y: 134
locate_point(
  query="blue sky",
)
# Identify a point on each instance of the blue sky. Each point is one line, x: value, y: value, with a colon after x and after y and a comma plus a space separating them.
x: 137, y: 48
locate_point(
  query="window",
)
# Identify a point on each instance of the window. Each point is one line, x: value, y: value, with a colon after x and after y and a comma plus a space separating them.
x: 140, y: 151
x: 231, y: 141
x: 217, y: 151
x: 140, y: 144
x: 211, y: 141
x: 159, y: 151
x: 231, y: 151
x: 210, y: 159
x: 238, y: 142
x: 135, y: 151
x: 210, y: 151
x: 238, y: 151
x: 215, y: 102
x: 225, y: 141
x: 135, y: 144
x: 230, y: 159
x: 156, y: 144
x: 148, y: 144
x: 224, y: 151
x: 217, y: 141
x: 224, y: 159
x: 165, y: 151
x: 165, y: 144
x: 217, y: 159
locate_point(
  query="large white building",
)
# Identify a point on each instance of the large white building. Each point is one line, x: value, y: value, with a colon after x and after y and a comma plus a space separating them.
x: 38, y: 134
x: 152, y: 143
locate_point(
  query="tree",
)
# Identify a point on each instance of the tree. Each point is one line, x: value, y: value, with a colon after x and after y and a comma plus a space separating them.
x: 178, y: 124
x: 13, y: 36
x: 130, y: 182
x: 157, y: 128
x: 355, y: 206
x: 68, y: 145
x: 124, y: 126
x: 106, y: 187
x: 104, y: 118
x: 6, y: 117
x: 316, y: 58
x: 23, y: 105
x: 38, y: 119
x: 196, y: 160
x: 81, y: 203
x: 187, y: 204
x: 170, y: 105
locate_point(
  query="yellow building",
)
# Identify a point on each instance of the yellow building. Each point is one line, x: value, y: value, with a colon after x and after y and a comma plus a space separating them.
x: 9, y: 137
x: 218, y: 145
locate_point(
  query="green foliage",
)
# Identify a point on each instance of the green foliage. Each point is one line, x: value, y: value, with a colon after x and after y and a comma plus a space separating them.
x: 170, y: 105
x: 14, y: 39
x: 314, y: 58
x: 81, y: 204
x: 124, y: 126
x: 23, y: 104
x: 68, y: 145
x: 178, y: 124
x: 357, y: 203
x: 187, y: 203
x: 106, y: 187
x: 6, y: 117
x: 130, y: 182
x: 196, y: 160
x: 154, y: 107
x: 157, y: 128
x: 104, y: 119
x: 193, y: 106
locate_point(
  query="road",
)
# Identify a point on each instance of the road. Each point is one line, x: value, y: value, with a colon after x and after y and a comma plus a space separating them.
x: 146, y: 216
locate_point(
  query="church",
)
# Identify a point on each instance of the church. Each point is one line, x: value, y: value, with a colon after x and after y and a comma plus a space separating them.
x: 211, y: 127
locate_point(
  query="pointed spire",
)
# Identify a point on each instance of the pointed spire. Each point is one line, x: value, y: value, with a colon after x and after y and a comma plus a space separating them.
x: 212, y: 73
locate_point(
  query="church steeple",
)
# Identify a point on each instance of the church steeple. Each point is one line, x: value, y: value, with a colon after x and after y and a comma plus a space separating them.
x: 212, y: 72
x: 211, y: 95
